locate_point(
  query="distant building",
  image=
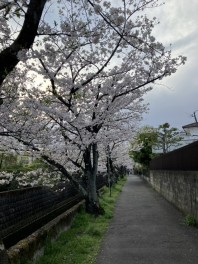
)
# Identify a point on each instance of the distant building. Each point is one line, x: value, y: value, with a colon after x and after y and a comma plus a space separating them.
x: 189, y: 135
x: 191, y: 129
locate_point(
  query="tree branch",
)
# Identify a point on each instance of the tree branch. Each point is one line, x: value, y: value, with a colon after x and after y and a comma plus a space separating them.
x: 25, y: 39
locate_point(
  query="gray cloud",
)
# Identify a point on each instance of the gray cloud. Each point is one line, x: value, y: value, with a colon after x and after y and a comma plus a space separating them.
x: 177, y: 98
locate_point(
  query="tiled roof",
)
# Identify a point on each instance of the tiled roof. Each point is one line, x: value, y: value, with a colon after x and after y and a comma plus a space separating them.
x: 191, y: 125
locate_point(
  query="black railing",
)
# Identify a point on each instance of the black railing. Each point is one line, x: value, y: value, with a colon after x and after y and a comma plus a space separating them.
x: 23, y: 231
x: 24, y: 211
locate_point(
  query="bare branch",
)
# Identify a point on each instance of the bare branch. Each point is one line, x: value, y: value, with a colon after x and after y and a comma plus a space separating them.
x: 25, y: 39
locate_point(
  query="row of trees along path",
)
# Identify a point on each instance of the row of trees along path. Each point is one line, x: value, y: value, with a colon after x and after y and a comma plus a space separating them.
x: 73, y: 75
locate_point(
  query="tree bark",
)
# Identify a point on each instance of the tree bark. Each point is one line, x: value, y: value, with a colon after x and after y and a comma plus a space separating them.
x: 91, y: 168
x: 1, y: 161
x: 25, y: 39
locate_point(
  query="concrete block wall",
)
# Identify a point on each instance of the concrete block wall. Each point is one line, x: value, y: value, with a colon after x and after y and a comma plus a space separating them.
x: 178, y: 187
x: 32, y: 246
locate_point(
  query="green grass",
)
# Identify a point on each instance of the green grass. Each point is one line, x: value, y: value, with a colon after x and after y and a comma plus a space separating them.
x: 80, y: 244
x: 190, y: 220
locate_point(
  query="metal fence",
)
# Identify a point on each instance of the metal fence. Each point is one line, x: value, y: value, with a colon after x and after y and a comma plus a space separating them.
x: 24, y: 211
x: 185, y: 159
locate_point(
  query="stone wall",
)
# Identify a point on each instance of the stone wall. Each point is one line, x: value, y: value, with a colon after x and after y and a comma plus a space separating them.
x: 178, y: 187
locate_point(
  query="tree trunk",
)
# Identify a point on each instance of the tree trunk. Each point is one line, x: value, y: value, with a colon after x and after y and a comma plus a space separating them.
x: 110, y: 168
x: 164, y: 145
x: 90, y: 190
x: 1, y: 161
x: 91, y: 167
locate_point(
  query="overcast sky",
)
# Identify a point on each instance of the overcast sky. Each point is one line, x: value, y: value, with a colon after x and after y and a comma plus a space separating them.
x: 177, y: 98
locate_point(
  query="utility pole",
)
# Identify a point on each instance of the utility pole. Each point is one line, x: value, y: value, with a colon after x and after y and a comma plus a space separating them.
x: 194, y: 115
x: 109, y: 169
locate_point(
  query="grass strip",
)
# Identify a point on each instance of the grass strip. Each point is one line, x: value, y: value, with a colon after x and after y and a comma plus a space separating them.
x: 81, y: 243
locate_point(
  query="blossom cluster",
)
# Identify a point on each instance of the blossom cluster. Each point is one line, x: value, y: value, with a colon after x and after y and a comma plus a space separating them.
x: 6, y: 178
x: 31, y: 178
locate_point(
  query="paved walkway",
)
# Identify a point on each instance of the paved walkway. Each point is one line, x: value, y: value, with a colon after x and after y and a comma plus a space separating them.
x: 146, y: 229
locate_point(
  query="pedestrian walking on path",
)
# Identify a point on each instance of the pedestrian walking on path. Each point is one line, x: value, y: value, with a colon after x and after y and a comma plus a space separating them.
x: 146, y: 229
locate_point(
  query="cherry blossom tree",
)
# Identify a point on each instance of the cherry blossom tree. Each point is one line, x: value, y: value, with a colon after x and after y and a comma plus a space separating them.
x: 89, y: 77
x: 67, y: 139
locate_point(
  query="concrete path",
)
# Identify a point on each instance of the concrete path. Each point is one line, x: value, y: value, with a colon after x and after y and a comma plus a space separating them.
x: 146, y: 229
